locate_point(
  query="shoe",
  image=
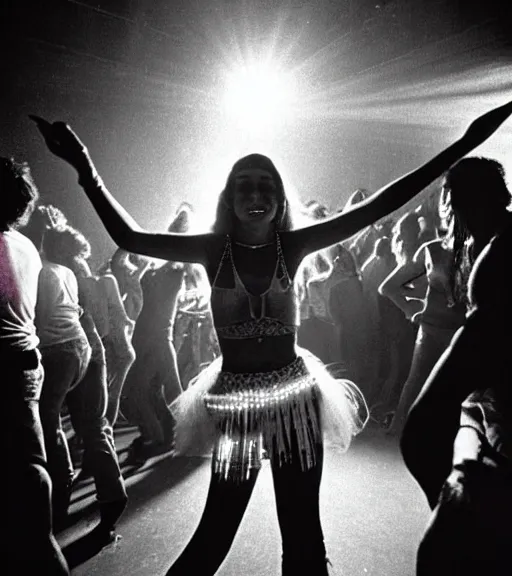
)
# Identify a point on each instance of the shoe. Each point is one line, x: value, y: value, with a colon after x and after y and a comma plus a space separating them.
x: 110, y: 512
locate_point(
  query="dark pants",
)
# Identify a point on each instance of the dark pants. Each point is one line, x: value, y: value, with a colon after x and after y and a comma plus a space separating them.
x: 120, y: 355
x: 297, y: 500
x: 87, y: 405
x: 79, y: 379
x: 64, y: 367
x: 29, y: 486
x: 152, y: 382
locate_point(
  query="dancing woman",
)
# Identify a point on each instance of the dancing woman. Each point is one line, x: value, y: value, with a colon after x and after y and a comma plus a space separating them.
x: 438, y: 320
x: 464, y: 462
x: 128, y: 275
x: 263, y: 392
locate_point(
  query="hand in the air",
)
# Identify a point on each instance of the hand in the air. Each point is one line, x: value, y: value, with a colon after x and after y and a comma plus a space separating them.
x: 481, y: 128
x: 62, y: 141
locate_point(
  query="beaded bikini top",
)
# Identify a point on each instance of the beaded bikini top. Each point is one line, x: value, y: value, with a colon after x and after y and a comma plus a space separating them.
x: 239, y: 314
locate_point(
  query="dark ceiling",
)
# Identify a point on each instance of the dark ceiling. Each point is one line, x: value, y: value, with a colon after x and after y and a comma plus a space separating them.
x: 140, y: 79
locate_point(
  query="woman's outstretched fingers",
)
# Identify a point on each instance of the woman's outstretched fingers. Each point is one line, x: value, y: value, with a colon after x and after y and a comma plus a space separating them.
x: 38, y: 119
x: 43, y: 125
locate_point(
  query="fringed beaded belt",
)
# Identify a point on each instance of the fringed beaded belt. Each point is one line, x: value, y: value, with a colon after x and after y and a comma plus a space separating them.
x: 261, y: 411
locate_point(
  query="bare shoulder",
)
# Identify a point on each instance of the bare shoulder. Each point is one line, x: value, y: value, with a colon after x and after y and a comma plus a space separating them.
x: 293, y: 251
x: 215, y: 247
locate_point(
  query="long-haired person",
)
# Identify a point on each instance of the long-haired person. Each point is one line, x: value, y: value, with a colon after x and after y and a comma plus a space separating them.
x: 73, y: 376
x: 101, y: 300
x: 457, y: 440
x: 438, y: 320
x: 66, y: 354
x: 263, y: 392
x: 28, y: 492
x: 128, y: 269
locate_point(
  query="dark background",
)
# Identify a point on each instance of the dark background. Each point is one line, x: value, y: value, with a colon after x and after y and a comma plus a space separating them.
x: 383, y: 86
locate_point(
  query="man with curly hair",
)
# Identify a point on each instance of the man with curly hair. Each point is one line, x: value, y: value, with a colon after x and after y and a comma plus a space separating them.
x: 29, y: 484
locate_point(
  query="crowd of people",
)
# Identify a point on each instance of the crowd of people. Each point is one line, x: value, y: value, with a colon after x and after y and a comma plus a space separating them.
x: 260, y: 339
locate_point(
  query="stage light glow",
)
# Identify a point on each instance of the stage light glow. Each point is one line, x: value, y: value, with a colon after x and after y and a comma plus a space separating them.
x: 259, y: 97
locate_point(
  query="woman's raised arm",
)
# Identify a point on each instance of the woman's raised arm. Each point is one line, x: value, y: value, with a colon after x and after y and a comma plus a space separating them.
x: 397, y: 193
x: 122, y: 228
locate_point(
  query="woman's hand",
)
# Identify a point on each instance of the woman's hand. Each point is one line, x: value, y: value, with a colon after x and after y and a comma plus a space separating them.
x: 63, y: 142
x: 481, y: 128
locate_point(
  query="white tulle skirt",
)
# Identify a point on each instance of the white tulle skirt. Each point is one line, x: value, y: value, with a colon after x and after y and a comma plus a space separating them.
x: 243, y: 417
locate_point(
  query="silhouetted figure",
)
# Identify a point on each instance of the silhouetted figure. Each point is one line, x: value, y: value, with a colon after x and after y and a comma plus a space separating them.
x: 457, y: 440
x: 31, y: 545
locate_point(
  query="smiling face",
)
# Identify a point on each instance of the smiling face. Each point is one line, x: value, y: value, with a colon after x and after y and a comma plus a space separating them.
x: 254, y: 196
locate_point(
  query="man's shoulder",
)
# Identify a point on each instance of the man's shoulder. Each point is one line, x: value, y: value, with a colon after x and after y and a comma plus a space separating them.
x: 19, y: 242
x: 15, y: 236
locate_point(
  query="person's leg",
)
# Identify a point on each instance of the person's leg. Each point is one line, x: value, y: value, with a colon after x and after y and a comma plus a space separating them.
x: 62, y: 366
x: 29, y: 514
x: 155, y: 421
x: 35, y: 549
x: 225, y: 507
x: 183, y: 343
x: 120, y: 357
x: 138, y: 402
x: 433, y: 422
x: 384, y: 407
x: 169, y: 370
x: 87, y: 405
x: 166, y: 387
x: 427, y: 351
x: 297, y: 494
x: 22, y: 421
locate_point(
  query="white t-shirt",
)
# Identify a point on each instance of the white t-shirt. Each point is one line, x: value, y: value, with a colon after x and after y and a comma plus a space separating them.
x: 20, y: 265
x: 57, y: 310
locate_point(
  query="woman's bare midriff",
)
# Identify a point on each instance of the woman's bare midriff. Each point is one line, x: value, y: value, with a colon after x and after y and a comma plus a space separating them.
x: 257, y: 354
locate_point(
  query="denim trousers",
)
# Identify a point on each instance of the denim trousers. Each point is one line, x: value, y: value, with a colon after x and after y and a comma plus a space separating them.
x: 29, y: 485
x: 75, y: 376
x: 120, y: 356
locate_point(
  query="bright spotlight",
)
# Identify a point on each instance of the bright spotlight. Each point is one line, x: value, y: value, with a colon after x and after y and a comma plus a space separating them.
x: 259, y: 97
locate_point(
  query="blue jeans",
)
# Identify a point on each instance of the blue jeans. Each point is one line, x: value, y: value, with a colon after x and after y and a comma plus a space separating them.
x: 29, y: 484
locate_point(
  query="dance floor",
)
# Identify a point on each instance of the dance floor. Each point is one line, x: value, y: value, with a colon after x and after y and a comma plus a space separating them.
x: 372, y: 512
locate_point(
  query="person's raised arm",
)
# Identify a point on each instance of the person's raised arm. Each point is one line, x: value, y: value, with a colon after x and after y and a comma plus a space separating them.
x: 122, y: 228
x: 397, y: 193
